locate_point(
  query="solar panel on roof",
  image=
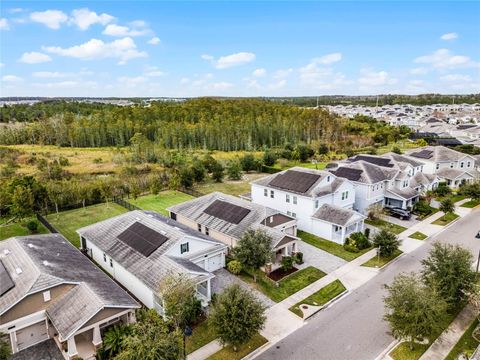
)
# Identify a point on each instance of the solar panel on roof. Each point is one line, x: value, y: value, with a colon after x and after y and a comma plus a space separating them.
x: 6, y: 282
x: 227, y: 211
x: 424, y: 154
x: 142, y: 239
x: 374, y: 160
x: 348, y: 173
x: 297, y: 181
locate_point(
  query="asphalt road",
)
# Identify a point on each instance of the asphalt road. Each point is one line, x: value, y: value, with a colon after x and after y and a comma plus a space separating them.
x: 353, y: 328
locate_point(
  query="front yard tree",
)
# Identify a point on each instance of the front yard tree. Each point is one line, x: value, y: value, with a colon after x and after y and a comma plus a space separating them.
x: 237, y: 316
x: 151, y: 339
x: 386, y: 242
x: 448, y: 269
x: 414, y: 310
x: 254, y: 250
x: 447, y: 206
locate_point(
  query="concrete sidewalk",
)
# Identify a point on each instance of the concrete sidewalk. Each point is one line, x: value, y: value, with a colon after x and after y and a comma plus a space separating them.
x: 447, y: 340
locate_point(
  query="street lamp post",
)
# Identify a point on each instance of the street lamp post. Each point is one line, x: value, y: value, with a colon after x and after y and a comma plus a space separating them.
x: 187, y: 331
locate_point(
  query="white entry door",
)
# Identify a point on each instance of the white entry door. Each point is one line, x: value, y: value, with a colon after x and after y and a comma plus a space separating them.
x: 31, y: 335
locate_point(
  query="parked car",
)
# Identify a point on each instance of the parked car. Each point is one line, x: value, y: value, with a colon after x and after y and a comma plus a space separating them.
x: 400, y: 213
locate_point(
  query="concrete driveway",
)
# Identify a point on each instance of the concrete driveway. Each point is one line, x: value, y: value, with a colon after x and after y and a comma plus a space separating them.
x: 404, y: 223
x: 313, y: 256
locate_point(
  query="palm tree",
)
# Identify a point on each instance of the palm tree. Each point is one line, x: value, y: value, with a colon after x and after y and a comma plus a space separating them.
x: 113, y: 339
x: 447, y: 206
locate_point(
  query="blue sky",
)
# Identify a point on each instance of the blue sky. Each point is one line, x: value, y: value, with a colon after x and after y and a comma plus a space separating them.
x: 127, y: 48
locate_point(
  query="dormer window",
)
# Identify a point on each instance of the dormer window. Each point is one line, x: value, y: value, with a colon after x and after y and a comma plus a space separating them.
x: 461, y: 164
x: 287, y: 198
x: 199, y: 227
x: 328, y: 178
x: 265, y: 192
x: 438, y: 166
x: 272, y: 194
x: 207, y: 231
x: 451, y: 165
x: 184, y: 248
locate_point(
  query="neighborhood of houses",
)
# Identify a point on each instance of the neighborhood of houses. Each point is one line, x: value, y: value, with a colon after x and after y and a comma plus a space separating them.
x: 51, y: 290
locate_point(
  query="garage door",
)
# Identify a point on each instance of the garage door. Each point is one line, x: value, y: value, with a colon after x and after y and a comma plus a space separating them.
x: 31, y: 335
x: 215, y: 262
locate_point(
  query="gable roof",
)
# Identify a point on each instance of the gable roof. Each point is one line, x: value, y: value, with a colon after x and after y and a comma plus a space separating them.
x: 337, y: 215
x: 365, y: 172
x: 436, y: 154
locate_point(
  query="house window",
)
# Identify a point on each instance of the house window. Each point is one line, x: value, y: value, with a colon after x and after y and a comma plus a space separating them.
x: 294, y: 214
x: 438, y: 166
x: 451, y: 165
x: 173, y: 216
x: 46, y: 296
x: 104, y: 257
x: 265, y: 192
x: 346, y: 194
x: 461, y: 164
x: 468, y: 164
x: 199, y: 227
x: 111, y: 262
x: 287, y: 198
x: 207, y: 231
x: 289, y: 213
x: 295, y: 200
x: 316, y: 204
x: 184, y: 248
x: 272, y: 194
x: 328, y: 178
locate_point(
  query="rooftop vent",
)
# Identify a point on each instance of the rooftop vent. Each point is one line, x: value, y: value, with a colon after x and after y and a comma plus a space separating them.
x: 18, y: 271
x: 30, y: 246
x: 163, y: 232
x: 6, y: 252
x: 45, y: 263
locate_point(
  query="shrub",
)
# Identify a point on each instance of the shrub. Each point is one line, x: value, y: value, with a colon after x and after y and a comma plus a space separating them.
x: 442, y: 189
x: 386, y: 242
x: 235, y: 267
x: 359, y: 240
x: 269, y: 158
x: 234, y: 169
x: 422, y: 208
x: 299, y: 257
x: 367, y: 233
x: 32, y: 226
x: 349, y: 248
x: 287, y: 263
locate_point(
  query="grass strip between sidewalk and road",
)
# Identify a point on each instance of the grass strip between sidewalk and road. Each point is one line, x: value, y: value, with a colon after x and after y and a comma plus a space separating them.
x: 418, y: 236
x: 445, y: 219
x: 466, y: 345
x: 471, y: 204
x: 381, y: 261
x: 202, y: 334
x: 321, y: 297
x: 227, y: 352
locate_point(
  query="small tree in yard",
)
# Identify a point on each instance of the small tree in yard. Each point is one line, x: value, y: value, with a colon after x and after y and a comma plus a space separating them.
x: 447, y: 206
x: 386, y: 242
x: 413, y: 310
x: 218, y: 172
x: 448, y: 270
x: 234, y: 169
x: 287, y: 263
x: 237, y: 316
x: 254, y: 250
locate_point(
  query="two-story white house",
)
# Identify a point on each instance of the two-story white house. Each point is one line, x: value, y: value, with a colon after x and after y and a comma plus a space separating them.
x: 321, y: 202
x: 140, y: 248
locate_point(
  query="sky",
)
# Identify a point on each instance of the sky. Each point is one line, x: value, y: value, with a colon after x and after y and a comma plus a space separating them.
x: 238, y: 48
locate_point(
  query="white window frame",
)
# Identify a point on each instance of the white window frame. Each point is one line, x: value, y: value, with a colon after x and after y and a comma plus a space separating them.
x: 272, y: 194
x: 287, y: 198
x: 294, y: 200
x: 47, y: 296
x: 265, y: 192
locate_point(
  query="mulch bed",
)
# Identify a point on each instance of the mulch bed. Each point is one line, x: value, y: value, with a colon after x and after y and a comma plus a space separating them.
x: 279, y: 274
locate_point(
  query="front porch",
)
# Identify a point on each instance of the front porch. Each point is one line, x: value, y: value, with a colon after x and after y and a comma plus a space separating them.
x: 281, y: 251
x: 396, y: 201
x: 340, y: 233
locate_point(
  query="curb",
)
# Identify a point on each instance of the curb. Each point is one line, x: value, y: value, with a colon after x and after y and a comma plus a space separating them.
x: 327, y: 304
x: 257, y: 351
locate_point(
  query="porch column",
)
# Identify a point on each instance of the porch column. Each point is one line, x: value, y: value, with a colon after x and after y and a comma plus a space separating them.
x: 97, y: 337
x: 131, y: 317
x: 343, y: 233
x: 209, y: 290
x: 72, y: 347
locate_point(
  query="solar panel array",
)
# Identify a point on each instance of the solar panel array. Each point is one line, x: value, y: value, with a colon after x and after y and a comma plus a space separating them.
x: 142, y: 239
x: 6, y: 282
x: 348, y: 173
x: 374, y: 160
x: 424, y: 154
x: 297, y: 181
x: 227, y: 211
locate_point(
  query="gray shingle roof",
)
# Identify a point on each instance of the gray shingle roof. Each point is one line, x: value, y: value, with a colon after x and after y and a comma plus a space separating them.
x: 337, y: 215
x: 370, y: 173
x: 439, y: 153
x: 405, y: 193
x: 152, y: 269
x: 452, y: 174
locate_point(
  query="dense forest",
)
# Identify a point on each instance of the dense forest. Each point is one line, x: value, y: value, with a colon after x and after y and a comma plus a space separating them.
x: 204, y: 123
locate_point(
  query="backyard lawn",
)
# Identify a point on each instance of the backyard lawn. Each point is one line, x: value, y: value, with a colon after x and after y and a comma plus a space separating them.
x: 382, y: 261
x: 160, y: 202
x: 284, y: 164
x: 67, y: 222
x: 287, y: 286
x: 202, y: 334
x: 329, y: 246
x: 445, y: 219
x: 230, y: 187
x: 19, y: 229
x: 471, y: 204
x: 418, y: 236
x: 227, y: 352
x: 321, y: 297
x: 396, y: 229
x: 466, y: 345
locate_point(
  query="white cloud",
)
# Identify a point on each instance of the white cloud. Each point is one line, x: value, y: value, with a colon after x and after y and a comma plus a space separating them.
x: 318, y: 73
x: 278, y: 85
x: 11, y: 78
x: 418, y: 71
x: 444, y: 59
x: 259, y: 72
x: 449, y: 36
x: 121, y: 49
x: 118, y: 30
x: 224, y: 62
x: 34, y: 57
x: 329, y: 58
x: 207, y: 57
x: 370, y: 78
x: 184, y: 80
x: 84, y: 18
x: 154, y: 71
x: 50, y: 18
x: 15, y: 10
x: 456, y: 77
x: 282, y: 73
x: 154, y: 41
x: 221, y: 85
x: 4, y: 24
x: 2, y: 65
x: 59, y: 75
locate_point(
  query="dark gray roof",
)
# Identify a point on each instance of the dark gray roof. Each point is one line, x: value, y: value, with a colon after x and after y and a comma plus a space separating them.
x: 6, y: 282
x: 452, y: 174
x: 365, y: 172
x: 437, y: 154
x: 405, y: 193
x: 337, y: 215
x: 377, y: 160
x: 276, y: 220
x: 398, y: 158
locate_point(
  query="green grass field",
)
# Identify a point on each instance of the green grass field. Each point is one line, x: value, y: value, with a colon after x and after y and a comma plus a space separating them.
x: 383, y: 224
x: 382, y: 261
x: 67, y: 222
x: 227, y: 352
x: 471, y: 204
x: 321, y: 297
x: 202, y: 334
x: 329, y: 246
x: 284, y: 164
x: 19, y: 229
x: 418, y: 236
x: 466, y: 345
x: 287, y: 286
x: 160, y: 202
x: 231, y: 187
x: 445, y: 219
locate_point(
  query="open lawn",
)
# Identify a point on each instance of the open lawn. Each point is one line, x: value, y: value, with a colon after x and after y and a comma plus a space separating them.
x: 329, y: 246
x: 396, y: 229
x: 466, y: 345
x: 19, y: 229
x: 160, y: 202
x: 471, y: 204
x: 321, y: 297
x: 418, y: 236
x: 202, y: 334
x: 287, y: 286
x: 445, y: 219
x: 453, y: 197
x: 382, y: 261
x: 67, y: 222
x: 229, y: 186
x: 403, y: 145
x: 283, y: 164
x: 227, y: 352
x: 402, y: 351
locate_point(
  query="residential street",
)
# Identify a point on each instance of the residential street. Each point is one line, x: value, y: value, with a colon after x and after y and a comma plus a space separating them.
x: 353, y: 328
